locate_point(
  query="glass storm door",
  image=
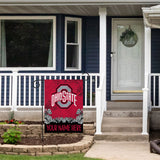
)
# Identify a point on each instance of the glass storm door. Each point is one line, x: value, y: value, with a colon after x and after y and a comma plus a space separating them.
x: 127, y: 58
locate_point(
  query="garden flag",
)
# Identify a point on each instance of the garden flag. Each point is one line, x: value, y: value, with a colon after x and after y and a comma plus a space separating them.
x: 63, y: 106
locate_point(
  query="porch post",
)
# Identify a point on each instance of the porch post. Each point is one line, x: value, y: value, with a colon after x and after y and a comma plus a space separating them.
x: 147, y: 55
x: 101, y: 92
x: 147, y: 71
x: 102, y: 45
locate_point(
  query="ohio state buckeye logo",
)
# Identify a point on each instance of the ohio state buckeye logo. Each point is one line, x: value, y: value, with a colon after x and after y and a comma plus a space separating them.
x: 63, y: 97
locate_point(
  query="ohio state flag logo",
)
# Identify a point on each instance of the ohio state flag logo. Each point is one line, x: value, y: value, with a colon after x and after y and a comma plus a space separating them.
x: 63, y: 106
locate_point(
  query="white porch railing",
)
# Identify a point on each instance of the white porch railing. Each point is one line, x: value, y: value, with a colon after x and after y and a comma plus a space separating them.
x: 154, y: 95
x: 101, y: 104
x: 6, y: 80
x: 26, y: 90
x: 151, y: 98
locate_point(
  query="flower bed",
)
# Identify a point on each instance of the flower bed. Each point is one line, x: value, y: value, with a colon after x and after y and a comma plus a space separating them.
x: 40, y: 150
x: 35, y: 130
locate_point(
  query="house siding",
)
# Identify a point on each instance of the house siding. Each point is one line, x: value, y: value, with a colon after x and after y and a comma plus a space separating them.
x: 60, y: 43
x: 109, y: 33
x: 155, y: 60
x: 92, y: 45
x: 155, y: 51
x: 92, y: 49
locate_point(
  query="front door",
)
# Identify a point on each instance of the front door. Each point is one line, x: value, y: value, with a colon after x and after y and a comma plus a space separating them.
x: 127, y: 59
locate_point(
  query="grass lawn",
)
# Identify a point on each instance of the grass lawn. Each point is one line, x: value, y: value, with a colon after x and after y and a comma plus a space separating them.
x: 55, y: 157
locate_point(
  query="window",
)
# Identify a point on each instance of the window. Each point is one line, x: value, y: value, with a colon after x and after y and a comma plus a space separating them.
x: 27, y: 42
x: 72, y: 43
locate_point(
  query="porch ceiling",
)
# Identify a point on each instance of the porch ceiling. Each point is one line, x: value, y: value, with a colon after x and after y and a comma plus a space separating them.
x: 81, y: 10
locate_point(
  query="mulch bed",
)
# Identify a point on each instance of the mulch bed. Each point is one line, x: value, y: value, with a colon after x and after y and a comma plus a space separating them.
x: 53, y: 140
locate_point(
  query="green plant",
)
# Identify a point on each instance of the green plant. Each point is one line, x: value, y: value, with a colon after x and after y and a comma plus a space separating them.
x: 13, y: 121
x: 12, y: 136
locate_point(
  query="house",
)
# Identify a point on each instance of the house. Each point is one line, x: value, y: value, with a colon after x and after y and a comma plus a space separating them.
x: 113, y: 45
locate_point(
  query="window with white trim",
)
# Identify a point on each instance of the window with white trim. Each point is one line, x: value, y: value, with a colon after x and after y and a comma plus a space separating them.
x: 73, y: 35
x: 27, y: 41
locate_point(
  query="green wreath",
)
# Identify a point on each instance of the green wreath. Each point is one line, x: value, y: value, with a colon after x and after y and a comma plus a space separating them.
x: 129, y: 38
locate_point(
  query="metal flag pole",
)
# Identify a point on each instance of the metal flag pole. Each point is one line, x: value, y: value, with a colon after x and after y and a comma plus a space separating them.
x: 37, y: 85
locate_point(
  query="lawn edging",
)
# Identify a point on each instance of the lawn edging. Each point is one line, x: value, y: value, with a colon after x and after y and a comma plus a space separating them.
x: 41, y: 150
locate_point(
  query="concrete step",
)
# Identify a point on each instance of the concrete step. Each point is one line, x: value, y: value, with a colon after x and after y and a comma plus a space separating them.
x: 112, y: 105
x: 121, y: 128
x: 124, y: 136
x: 122, y: 120
x: 119, y: 113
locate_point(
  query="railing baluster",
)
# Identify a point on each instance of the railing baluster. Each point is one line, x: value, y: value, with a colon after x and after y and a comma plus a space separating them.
x: 91, y: 91
x: 34, y: 101
x: 40, y: 82
x: 29, y: 90
x: 95, y: 87
x: 5, y: 89
x: 85, y: 90
x: 19, y: 100
x: 10, y: 93
x: 24, y: 87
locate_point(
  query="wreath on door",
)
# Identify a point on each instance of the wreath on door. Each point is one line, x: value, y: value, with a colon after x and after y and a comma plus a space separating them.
x: 129, y: 38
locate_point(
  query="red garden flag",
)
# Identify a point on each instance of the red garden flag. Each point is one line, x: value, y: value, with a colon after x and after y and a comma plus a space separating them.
x: 63, y: 106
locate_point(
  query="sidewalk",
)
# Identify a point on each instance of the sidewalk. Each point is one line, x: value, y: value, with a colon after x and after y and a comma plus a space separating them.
x: 121, y: 151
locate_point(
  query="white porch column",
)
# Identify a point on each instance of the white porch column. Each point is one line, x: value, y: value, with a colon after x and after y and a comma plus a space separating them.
x: 147, y: 71
x: 147, y: 54
x: 102, y: 44
x: 101, y: 92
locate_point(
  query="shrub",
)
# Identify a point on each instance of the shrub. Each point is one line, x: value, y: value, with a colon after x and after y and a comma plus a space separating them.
x: 12, y: 136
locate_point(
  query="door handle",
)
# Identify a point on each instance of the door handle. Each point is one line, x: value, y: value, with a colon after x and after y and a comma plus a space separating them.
x: 112, y: 54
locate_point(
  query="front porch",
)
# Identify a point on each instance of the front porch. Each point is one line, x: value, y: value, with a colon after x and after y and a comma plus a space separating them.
x: 22, y: 89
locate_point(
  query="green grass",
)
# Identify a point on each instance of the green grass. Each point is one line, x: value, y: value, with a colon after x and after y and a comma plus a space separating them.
x: 55, y: 157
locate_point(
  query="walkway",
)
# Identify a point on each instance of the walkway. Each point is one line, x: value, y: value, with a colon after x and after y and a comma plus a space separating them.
x: 121, y: 151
